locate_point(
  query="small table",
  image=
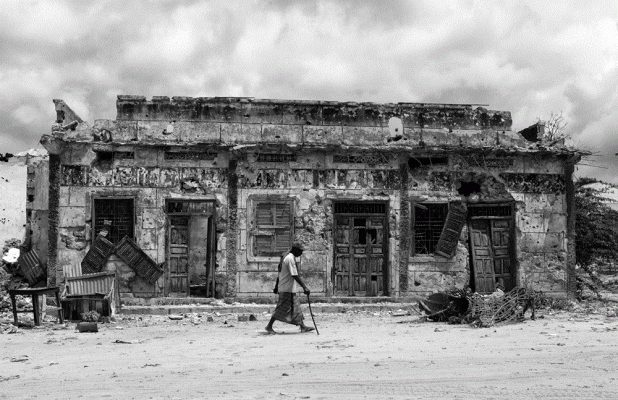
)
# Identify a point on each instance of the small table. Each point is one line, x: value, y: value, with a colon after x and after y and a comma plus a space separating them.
x: 35, y: 292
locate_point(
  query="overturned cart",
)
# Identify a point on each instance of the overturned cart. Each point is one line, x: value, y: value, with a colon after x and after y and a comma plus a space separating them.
x: 462, y: 306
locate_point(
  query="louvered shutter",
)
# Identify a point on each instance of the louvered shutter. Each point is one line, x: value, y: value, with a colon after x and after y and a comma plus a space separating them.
x: 273, y: 228
x: 139, y: 261
x: 285, y: 222
x: 455, y: 220
x: 97, y: 256
x: 31, y: 267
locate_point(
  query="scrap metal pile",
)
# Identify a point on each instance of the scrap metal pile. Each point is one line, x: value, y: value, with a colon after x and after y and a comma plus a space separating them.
x: 464, y: 307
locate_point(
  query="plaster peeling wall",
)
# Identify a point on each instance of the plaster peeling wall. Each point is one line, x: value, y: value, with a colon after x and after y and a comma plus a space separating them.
x: 150, y: 179
x: 314, y: 182
x: 537, y: 187
x: 477, y: 143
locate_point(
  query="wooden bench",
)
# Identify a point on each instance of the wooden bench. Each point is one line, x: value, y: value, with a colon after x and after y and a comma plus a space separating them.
x: 36, y: 309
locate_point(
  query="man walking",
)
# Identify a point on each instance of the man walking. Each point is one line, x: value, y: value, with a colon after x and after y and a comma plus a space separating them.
x: 288, y: 307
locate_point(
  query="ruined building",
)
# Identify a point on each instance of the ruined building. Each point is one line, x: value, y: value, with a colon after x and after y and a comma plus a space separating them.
x: 201, y: 196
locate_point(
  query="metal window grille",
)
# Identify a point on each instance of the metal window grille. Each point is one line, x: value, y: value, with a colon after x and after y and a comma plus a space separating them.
x: 275, y: 157
x: 360, y: 208
x: 429, y: 220
x: 370, y: 159
x: 490, y: 211
x: 115, y: 215
x: 190, y: 155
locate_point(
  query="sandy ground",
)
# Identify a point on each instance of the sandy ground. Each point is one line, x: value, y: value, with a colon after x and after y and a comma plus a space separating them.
x: 356, y: 356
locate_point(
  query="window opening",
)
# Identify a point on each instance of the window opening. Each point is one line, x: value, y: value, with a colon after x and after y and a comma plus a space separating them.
x: 275, y: 157
x: 104, y: 160
x: 429, y: 220
x: 190, y: 155
x: 415, y: 162
x: 116, y: 216
x: 360, y: 208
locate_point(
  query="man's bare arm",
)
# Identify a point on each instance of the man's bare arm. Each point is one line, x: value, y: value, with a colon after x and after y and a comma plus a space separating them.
x: 302, y: 284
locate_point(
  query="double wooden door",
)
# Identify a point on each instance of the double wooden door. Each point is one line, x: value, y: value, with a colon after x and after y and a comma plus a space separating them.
x: 360, y: 255
x: 491, y: 245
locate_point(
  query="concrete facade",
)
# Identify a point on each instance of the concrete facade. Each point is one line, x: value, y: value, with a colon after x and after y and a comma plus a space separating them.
x: 13, y: 178
x: 356, y: 178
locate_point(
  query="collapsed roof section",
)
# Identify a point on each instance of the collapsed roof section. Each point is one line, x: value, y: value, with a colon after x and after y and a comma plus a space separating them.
x: 234, y: 122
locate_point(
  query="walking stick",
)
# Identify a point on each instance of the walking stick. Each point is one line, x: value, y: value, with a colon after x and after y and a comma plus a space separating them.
x: 313, y: 319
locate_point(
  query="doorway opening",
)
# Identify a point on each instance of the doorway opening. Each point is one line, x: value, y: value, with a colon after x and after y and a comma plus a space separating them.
x: 190, y: 266
x: 361, y: 233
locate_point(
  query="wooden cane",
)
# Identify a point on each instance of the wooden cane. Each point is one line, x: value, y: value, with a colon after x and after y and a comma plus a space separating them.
x: 313, y: 319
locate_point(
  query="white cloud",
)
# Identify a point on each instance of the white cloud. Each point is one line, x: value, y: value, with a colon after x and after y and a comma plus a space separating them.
x: 529, y: 57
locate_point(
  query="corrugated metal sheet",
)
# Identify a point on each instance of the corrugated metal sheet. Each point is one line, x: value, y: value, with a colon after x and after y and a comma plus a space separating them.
x: 31, y: 267
x: 71, y: 270
x: 101, y: 283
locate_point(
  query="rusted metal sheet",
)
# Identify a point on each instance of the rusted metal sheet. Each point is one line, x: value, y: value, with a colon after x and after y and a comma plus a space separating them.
x: 103, y: 286
x: 71, y: 270
x: 31, y: 267
x: 98, y: 283
x: 139, y: 261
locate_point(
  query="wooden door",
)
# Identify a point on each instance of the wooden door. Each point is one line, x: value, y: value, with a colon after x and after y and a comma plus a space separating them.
x: 491, y: 248
x: 178, y: 256
x: 359, y: 255
x: 501, y: 236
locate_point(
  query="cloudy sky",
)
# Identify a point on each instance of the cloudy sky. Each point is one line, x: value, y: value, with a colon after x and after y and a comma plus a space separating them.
x: 530, y: 57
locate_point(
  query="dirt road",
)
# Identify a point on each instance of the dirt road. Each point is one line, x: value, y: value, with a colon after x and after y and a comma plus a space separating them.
x: 356, y: 356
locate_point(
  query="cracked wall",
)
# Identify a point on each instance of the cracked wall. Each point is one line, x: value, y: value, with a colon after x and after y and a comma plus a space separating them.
x: 150, y: 179
x: 536, y: 186
x: 314, y: 182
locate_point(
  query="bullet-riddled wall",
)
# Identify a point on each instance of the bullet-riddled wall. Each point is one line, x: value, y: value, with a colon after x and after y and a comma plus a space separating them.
x: 362, y: 186
x: 313, y: 182
x: 147, y: 176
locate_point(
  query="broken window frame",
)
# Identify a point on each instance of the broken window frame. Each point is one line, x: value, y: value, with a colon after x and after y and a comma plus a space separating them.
x: 413, y: 227
x: 256, y: 230
x: 114, y: 235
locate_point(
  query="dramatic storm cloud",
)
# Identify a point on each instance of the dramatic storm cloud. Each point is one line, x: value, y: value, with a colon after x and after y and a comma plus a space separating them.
x: 529, y: 57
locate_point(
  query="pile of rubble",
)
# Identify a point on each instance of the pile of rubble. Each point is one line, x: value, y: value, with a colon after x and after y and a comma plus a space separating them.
x: 465, y: 307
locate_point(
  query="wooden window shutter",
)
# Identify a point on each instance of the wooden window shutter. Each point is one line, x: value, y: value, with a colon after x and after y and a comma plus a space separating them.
x: 274, y: 223
x: 97, y: 256
x: 455, y: 221
x: 139, y: 261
